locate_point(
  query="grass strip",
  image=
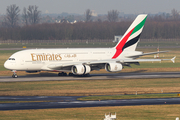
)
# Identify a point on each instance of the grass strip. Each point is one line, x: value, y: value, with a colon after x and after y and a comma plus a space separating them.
x: 90, y: 87
x: 115, y: 97
x: 144, y: 112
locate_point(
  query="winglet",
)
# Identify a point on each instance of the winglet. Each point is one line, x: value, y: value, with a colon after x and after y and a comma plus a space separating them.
x: 173, y: 59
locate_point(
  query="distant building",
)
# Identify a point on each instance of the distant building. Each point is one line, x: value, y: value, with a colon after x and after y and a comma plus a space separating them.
x: 117, y: 38
x: 47, y: 12
x: 62, y: 21
x: 65, y: 21
x: 94, y: 13
x: 73, y: 22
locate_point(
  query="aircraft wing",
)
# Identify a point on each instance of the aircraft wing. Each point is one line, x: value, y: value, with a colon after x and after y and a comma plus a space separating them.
x: 136, y: 56
x: 123, y: 61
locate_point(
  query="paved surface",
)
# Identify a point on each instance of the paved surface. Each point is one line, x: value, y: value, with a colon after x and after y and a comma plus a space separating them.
x: 54, y: 77
x: 71, y: 102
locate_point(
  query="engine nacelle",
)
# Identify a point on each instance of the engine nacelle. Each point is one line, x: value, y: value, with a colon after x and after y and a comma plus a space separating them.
x: 113, y: 67
x: 80, y: 69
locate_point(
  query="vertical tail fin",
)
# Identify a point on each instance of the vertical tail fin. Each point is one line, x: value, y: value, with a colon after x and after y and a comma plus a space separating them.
x: 131, y: 37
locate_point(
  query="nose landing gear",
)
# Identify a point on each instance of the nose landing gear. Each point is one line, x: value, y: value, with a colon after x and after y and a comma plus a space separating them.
x: 14, y: 74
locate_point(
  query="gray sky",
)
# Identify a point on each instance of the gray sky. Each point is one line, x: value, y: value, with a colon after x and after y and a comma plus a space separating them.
x: 100, y: 6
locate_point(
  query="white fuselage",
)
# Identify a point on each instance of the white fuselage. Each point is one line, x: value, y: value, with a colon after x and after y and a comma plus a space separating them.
x: 39, y: 59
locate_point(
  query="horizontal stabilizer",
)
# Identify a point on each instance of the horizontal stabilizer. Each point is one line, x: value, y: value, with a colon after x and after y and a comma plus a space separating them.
x: 147, y: 60
x: 173, y: 59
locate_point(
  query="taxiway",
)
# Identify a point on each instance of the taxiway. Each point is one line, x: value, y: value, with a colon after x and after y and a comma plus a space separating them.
x: 71, y: 102
x: 54, y: 77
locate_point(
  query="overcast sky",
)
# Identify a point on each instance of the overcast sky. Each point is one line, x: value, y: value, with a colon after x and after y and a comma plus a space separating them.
x: 100, y: 6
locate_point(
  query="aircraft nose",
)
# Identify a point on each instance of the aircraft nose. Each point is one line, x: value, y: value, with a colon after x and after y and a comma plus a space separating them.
x: 7, y: 65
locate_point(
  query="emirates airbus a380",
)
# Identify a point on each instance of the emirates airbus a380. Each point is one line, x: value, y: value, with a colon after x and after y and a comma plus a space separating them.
x: 81, y: 61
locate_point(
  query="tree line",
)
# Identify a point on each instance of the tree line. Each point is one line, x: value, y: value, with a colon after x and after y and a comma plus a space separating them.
x: 90, y: 30
x: 30, y: 16
x: 159, y: 26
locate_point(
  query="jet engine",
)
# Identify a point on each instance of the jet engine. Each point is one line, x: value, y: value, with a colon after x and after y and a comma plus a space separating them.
x: 80, y: 69
x: 113, y: 67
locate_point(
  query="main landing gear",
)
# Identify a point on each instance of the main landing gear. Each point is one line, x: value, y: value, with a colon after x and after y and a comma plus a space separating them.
x: 65, y: 74
x: 71, y: 74
x: 14, y: 74
x: 62, y: 74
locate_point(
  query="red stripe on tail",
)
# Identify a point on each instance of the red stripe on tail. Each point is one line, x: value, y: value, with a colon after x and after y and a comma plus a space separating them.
x: 121, y: 45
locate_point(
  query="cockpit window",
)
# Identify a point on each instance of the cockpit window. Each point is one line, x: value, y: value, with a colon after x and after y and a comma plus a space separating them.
x: 11, y: 58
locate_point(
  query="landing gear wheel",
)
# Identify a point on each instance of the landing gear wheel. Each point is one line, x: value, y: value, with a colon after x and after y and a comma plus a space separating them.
x: 62, y: 74
x: 59, y: 74
x: 86, y: 75
x: 71, y: 74
x: 14, y: 76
